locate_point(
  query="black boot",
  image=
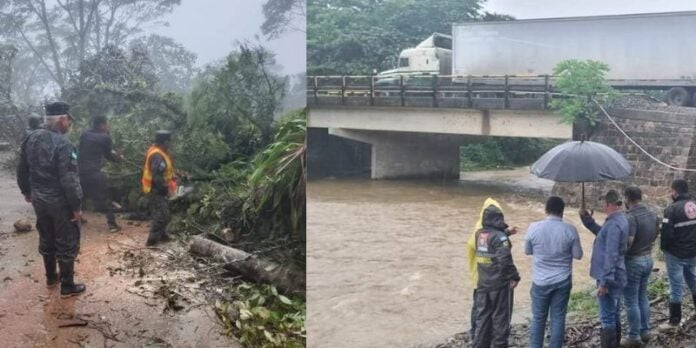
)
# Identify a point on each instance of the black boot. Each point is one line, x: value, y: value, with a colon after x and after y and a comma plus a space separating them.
x: 675, y: 314
x: 51, y: 274
x: 608, y: 338
x: 67, y: 284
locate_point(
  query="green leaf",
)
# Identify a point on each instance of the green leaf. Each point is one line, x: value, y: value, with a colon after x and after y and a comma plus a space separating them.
x: 284, y: 299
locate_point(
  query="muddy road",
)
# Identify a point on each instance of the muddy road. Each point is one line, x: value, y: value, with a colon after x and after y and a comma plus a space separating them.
x: 135, y: 296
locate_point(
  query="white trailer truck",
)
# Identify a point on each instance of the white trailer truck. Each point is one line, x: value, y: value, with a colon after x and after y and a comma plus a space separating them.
x: 643, y: 51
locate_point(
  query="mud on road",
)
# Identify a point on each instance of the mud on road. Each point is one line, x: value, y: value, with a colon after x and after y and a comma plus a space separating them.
x: 135, y: 296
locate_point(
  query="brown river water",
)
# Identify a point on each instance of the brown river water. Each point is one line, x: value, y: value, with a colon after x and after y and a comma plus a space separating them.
x: 386, y: 264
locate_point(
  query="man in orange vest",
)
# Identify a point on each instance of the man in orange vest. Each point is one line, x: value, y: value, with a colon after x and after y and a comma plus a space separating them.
x: 159, y: 184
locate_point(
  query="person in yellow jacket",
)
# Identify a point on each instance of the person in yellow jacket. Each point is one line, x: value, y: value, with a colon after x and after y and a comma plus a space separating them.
x: 158, y: 183
x: 471, y: 257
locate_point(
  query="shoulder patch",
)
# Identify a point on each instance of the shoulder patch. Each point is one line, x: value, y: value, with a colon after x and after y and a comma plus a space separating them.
x: 665, y: 220
x: 482, y: 243
x: 503, y: 238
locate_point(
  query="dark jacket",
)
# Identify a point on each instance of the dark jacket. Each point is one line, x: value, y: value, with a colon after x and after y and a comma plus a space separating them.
x: 608, y: 263
x: 643, y: 225
x: 47, y: 170
x: 679, y: 228
x: 94, y: 146
x: 493, y: 257
x: 157, y: 167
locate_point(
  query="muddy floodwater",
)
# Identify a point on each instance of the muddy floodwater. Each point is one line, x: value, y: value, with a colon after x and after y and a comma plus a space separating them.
x: 386, y: 263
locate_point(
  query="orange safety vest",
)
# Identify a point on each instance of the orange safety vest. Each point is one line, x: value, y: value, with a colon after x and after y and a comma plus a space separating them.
x: 146, y: 180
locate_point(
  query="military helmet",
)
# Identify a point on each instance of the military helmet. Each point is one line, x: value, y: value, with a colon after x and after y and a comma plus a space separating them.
x: 34, y: 121
x: 162, y: 136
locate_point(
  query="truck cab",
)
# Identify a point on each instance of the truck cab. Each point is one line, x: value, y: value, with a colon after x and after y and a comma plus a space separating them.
x: 433, y: 56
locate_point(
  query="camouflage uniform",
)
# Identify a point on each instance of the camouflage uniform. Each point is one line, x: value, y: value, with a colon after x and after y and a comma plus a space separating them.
x: 159, y: 205
x: 47, y: 173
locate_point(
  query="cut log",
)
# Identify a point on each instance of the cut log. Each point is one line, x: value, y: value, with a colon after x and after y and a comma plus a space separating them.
x: 251, y: 266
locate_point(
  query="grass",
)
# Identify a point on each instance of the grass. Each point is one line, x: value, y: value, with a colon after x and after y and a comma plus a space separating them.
x: 583, y: 304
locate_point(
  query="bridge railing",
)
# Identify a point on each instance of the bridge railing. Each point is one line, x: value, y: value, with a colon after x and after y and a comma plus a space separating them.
x: 486, y: 91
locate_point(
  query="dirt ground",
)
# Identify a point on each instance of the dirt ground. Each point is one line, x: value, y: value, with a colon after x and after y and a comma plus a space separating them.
x: 135, y: 296
x: 586, y: 333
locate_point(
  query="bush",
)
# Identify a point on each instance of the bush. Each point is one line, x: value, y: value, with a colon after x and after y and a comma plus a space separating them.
x: 503, y: 153
x: 264, y: 318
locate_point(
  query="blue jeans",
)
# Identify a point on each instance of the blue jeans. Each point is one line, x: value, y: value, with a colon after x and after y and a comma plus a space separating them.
x: 554, y: 298
x: 610, y: 307
x: 638, y: 271
x: 678, y: 271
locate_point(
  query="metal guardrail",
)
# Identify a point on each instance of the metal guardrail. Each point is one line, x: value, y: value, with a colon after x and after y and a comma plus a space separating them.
x: 437, y: 87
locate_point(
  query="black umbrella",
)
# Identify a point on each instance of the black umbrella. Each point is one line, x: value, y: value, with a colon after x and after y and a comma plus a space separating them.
x: 581, y: 161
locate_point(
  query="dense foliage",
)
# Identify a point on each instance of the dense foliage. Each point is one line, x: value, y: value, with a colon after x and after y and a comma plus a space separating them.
x: 359, y: 36
x: 503, y: 152
x: 265, y: 319
x: 579, y: 82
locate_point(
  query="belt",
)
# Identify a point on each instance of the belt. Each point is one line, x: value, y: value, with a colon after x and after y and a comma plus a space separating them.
x: 631, y: 257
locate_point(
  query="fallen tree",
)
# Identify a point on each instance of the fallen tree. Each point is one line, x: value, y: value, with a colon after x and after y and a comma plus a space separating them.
x: 251, y: 266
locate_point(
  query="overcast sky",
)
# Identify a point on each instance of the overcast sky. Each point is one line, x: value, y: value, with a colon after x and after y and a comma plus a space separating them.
x: 557, y: 8
x: 211, y: 29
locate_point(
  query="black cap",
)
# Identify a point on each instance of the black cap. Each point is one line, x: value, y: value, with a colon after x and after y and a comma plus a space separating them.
x: 57, y: 109
x: 612, y: 197
x: 162, y: 135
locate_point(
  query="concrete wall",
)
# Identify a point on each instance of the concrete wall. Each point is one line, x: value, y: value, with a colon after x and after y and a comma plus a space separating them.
x: 668, y: 136
x: 508, y: 123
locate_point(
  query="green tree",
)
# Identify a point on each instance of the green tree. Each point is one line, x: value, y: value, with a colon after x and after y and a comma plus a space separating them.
x: 239, y: 99
x: 59, y: 35
x: 580, y: 82
x: 357, y: 36
x: 280, y: 15
x: 173, y: 64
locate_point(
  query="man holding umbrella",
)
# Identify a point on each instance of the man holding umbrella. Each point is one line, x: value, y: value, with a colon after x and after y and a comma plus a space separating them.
x: 607, y: 265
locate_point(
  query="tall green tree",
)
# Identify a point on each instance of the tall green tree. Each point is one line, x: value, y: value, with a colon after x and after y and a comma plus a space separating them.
x: 59, y: 35
x: 280, y: 15
x: 239, y: 98
x: 357, y: 36
x: 173, y: 64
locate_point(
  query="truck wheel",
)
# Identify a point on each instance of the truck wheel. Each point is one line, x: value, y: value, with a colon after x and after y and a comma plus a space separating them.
x: 678, y: 96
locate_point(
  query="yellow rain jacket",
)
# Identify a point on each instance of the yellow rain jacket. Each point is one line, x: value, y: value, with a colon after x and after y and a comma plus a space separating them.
x: 471, y: 243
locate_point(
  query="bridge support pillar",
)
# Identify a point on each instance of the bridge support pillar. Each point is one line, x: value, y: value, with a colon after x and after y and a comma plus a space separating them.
x: 400, y: 155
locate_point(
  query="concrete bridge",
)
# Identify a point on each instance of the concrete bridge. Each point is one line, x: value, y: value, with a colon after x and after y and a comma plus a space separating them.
x: 411, y: 142
x: 416, y: 129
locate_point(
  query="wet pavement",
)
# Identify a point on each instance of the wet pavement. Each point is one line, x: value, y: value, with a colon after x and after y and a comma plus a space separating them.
x: 135, y: 296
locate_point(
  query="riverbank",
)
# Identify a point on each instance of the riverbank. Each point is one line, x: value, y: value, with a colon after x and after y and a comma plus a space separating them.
x: 585, y: 333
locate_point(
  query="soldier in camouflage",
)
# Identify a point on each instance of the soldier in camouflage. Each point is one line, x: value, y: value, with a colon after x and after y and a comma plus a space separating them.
x: 159, y: 184
x: 47, y: 176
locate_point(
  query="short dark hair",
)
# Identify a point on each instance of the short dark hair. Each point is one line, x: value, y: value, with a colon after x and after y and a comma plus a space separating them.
x: 612, y: 197
x: 555, y: 206
x: 98, y: 120
x: 633, y: 194
x: 681, y: 186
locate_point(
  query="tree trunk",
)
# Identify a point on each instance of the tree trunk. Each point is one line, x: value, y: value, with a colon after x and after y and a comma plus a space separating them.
x: 251, y: 266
